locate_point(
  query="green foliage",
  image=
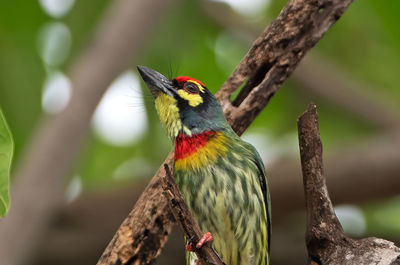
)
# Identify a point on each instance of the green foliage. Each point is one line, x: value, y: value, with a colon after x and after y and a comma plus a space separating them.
x: 6, y: 152
x: 383, y: 218
x: 21, y: 71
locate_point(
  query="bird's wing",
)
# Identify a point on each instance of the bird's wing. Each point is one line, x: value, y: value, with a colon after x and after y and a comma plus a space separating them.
x: 264, y: 187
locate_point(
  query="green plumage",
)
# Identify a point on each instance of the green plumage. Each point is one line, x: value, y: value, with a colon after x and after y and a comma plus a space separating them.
x: 230, y: 199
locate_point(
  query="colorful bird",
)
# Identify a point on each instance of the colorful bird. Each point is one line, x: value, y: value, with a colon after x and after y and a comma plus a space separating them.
x: 221, y: 177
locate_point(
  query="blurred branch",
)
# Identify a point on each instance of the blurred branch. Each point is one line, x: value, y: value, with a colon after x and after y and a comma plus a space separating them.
x: 325, y: 239
x: 38, y: 190
x: 80, y: 231
x: 184, y: 217
x: 270, y: 61
x: 319, y: 77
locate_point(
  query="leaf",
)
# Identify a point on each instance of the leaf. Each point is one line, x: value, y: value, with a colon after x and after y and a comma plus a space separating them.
x: 6, y: 153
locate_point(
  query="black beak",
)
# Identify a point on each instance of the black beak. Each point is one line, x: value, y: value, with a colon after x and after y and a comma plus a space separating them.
x: 156, y: 82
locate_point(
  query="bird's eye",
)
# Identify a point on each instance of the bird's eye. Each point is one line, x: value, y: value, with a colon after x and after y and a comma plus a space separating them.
x: 191, y: 88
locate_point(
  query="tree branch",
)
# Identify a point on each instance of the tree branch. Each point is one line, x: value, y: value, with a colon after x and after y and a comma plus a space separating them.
x: 319, y: 206
x: 184, y: 217
x: 274, y: 56
x: 319, y: 77
x: 142, y: 234
x: 270, y: 61
x: 325, y: 239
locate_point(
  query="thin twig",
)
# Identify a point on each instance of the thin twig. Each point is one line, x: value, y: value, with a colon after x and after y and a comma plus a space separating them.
x: 184, y: 217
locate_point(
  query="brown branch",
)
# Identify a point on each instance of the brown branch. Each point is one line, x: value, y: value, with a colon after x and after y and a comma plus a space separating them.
x: 318, y: 77
x: 40, y: 177
x: 184, y: 217
x: 274, y: 56
x: 325, y: 239
x: 137, y: 239
x: 270, y: 61
x: 318, y: 204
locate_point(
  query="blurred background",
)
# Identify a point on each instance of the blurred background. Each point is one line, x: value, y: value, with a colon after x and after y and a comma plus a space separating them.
x: 88, y: 139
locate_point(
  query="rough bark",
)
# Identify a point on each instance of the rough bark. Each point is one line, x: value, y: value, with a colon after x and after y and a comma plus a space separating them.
x: 40, y: 178
x: 270, y: 61
x: 318, y: 77
x: 326, y: 242
x: 274, y: 56
x: 184, y: 217
x: 142, y: 235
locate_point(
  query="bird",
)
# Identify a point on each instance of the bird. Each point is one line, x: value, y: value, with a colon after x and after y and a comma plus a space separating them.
x: 221, y: 177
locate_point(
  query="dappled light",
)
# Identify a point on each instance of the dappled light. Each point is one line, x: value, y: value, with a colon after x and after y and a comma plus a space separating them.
x: 56, y: 92
x: 74, y: 188
x: 54, y: 43
x: 57, y: 8
x: 352, y: 219
x: 248, y: 7
x: 120, y: 118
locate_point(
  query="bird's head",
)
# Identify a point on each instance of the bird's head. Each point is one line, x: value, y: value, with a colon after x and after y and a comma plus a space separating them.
x: 184, y: 104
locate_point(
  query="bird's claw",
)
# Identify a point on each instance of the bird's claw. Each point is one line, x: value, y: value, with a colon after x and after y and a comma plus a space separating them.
x: 207, y: 237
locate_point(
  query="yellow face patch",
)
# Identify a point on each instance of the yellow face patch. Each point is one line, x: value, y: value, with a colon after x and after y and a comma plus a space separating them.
x: 169, y: 114
x: 192, y: 99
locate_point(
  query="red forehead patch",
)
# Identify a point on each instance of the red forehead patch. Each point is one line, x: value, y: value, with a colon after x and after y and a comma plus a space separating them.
x: 182, y: 79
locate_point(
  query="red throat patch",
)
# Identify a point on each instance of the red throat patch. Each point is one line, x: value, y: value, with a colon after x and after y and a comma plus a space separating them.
x: 182, y: 79
x: 187, y: 145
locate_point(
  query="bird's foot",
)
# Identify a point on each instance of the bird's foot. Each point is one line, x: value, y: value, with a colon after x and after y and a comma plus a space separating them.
x: 207, y: 237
